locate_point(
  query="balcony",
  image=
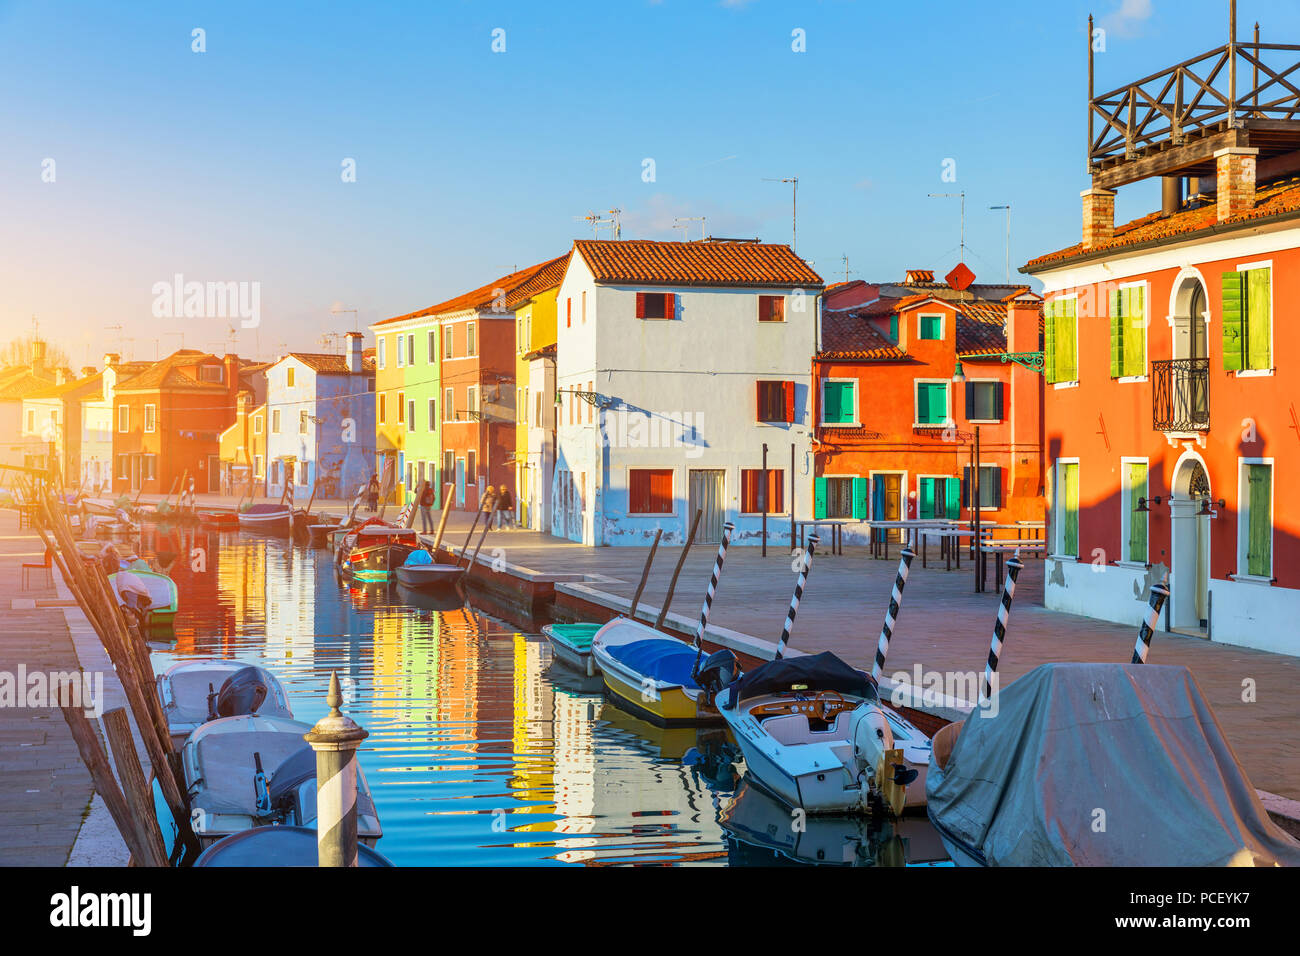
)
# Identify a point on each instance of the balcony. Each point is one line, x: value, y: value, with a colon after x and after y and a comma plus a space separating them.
x: 1181, y: 395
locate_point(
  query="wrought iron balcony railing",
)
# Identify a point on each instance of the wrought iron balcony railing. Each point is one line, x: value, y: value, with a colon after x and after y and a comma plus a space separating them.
x: 1180, y: 400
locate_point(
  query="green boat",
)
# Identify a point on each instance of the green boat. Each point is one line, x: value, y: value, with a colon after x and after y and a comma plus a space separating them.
x: 572, y: 644
x: 164, y: 599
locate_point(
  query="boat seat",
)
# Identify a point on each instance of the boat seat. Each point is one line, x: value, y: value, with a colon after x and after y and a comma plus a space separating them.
x: 226, y: 763
x: 792, y: 729
x: 663, y: 660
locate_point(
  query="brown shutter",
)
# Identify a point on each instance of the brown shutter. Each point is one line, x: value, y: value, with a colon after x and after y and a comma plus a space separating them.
x: 640, y: 305
x: 788, y: 388
x: 670, y: 305
x: 758, y: 401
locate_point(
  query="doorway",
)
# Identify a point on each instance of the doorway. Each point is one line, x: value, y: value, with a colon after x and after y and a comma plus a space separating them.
x: 705, y: 494
x: 887, y: 502
x: 1189, y: 576
x: 214, y: 474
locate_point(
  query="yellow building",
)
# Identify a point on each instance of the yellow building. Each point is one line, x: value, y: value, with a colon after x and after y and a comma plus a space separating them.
x: 394, y: 347
x: 243, y: 450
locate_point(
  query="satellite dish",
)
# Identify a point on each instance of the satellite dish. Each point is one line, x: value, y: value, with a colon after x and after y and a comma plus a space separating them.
x: 960, y: 278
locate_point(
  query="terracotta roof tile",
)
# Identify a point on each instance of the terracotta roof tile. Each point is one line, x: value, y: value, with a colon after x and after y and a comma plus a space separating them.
x: 479, y: 298
x: 549, y: 276
x: 331, y: 364
x: 77, y: 384
x: 647, y: 262
x: 164, y: 373
x: 846, y: 336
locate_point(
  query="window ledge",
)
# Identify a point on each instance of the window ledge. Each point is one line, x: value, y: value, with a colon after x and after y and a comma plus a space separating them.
x: 1254, y: 373
x: 985, y: 421
x: 1131, y: 379
x: 1133, y: 565
x: 1252, y: 579
x: 1060, y: 385
x: 1064, y: 558
x: 825, y: 424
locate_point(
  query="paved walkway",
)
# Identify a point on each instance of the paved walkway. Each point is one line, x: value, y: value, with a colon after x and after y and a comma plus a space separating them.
x: 943, y: 625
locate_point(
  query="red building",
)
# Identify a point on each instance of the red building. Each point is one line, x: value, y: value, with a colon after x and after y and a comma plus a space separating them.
x: 905, y: 373
x: 1171, y: 412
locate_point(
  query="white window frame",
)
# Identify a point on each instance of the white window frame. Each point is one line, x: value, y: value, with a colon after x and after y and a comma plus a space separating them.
x: 785, y: 493
x: 1272, y: 335
x: 627, y: 477
x: 943, y: 326
x: 471, y: 339
x: 448, y: 342
x: 471, y: 398
x: 410, y: 416
x: 1145, y: 286
x: 257, y: 424
x: 275, y: 421
x: 433, y: 414
x: 920, y: 475
x: 431, y: 343
x: 1005, y: 389
x: 381, y: 355
x: 303, y: 421
x: 290, y: 378
x: 401, y: 351
x: 1128, y: 504
x: 150, y: 418
x: 448, y: 404
x: 123, y: 427
x: 259, y: 466
x: 856, y: 423
x: 1058, y: 523
x: 1243, y: 522
x: 982, y: 465
x: 1074, y: 383
x: 916, y: 403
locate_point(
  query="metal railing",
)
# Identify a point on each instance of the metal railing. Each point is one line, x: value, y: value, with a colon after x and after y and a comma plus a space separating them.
x: 1180, y: 400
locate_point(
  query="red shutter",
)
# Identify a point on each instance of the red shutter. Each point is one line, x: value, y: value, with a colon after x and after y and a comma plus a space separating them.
x: 568, y: 312
x: 638, y: 492
x: 640, y: 305
x: 670, y: 305
x: 758, y: 401
x: 788, y: 388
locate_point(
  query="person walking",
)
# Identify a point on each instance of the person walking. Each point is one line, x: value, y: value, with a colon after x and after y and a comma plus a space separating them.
x: 505, y: 508
x: 372, y: 492
x: 426, y: 508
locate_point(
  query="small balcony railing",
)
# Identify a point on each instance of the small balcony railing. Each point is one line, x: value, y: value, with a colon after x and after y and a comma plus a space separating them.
x: 1181, y: 395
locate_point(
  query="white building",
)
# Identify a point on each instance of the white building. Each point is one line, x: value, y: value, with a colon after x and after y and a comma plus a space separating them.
x: 676, y: 363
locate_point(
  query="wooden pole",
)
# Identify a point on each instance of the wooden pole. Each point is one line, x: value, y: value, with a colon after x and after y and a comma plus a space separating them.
x: 135, y: 788
x: 645, y: 572
x: 1087, y: 156
x: 474, y: 524
x: 681, y: 559
x: 490, y: 501
x: 975, y: 513
x: 447, y: 501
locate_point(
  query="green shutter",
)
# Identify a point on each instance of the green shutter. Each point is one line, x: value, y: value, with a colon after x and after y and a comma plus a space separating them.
x: 861, y: 498
x: 1259, y: 547
x: 925, y: 498
x: 819, y: 497
x: 1137, y: 520
x: 953, y: 509
x: 1116, y: 333
x: 1067, y: 359
x: 838, y: 403
x: 1232, y: 321
x: 1070, y: 511
x: 1135, y: 336
x: 1258, y: 301
x: 1049, y: 342
x: 922, y: 403
x: 893, y: 327
x: 931, y: 403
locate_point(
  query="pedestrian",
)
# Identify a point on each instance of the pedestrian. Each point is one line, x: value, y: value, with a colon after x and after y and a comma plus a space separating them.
x: 372, y: 492
x: 505, y: 508
x: 426, y: 508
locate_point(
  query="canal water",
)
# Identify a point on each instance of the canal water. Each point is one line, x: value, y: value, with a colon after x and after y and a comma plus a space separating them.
x: 481, y: 751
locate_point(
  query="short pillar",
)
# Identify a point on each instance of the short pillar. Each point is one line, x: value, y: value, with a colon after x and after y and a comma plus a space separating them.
x: 335, y: 739
x: 1098, y: 216
x: 1235, y: 181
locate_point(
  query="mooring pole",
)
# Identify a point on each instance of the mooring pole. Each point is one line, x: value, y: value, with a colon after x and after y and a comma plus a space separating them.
x: 681, y: 559
x: 1159, y: 594
x: 792, y: 498
x: 762, y: 498
x: 805, y: 564
x: 645, y: 573
x: 708, y: 595
x: 1000, y: 625
x: 335, y: 739
x: 891, y: 615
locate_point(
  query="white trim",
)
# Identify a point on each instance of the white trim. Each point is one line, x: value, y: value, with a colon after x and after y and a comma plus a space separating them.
x: 856, y: 423
x: 150, y: 429
x: 1243, y: 521
x: 1070, y: 383
x: 1145, y: 286
x: 943, y: 326
x: 947, y: 416
x: 990, y: 421
x: 1057, y: 510
x: 944, y: 517
x: 904, y: 477
x: 785, y: 490
x: 1128, y: 503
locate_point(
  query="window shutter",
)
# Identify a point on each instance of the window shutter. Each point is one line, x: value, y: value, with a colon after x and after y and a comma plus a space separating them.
x: 1258, y: 295
x: 965, y: 486
x: 788, y: 389
x: 970, y: 400
x: 999, y: 399
x: 1116, y: 333
x: 925, y: 498
x: 1259, y: 556
x: 996, y: 478
x: 640, y: 305
x: 1137, y: 528
x: 1232, y: 321
x: 1071, y: 536
x: 670, y: 305
x: 922, y: 403
x: 953, y: 503
x: 861, y: 500
x: 878, y: 499
x: 1135, y: 337
x: 758, y: 401
x: 1067, y: 336
x: 819, y: 497
x: 1049, y: 342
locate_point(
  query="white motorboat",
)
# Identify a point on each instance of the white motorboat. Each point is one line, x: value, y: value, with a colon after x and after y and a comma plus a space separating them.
x: 252, y: 770
x: 194, y: 692
x: 814, y: 734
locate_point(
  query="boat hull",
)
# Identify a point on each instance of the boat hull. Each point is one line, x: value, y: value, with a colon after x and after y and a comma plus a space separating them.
x: 428, y: 577
x: 577, y: 657
x: 660, y: 703
x: 375, y: 563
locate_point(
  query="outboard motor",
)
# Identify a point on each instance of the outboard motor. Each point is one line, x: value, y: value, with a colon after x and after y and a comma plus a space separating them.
x: 261, y: 795
x: 212, y: 702
x: 871, y: 737
x: 286, y: 787
x: 242, y: 693
x: 717, y: 671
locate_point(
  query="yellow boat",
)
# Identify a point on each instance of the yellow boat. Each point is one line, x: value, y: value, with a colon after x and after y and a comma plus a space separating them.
x: 648, y: 673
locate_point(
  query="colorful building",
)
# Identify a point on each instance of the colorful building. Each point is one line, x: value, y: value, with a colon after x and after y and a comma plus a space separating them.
x: 906, y: 374
x: 1170, y: 416
x: 243, y: 449
x: 19, y: 445
x: 53, y: 418
x: 394, y: 343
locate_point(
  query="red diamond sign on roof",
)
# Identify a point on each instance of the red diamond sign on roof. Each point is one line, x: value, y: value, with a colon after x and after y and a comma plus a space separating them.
x: 960, y: 278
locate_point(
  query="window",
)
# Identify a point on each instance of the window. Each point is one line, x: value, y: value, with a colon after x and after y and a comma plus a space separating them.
x: 383, y: 407
x: 1133, y: 528
x: 568, y: 312
x: 275, y: 421
x: 1248, y: 319
x: 840, y: 498
x: 931, y: 403
x: 470, y: 344
x: 1128, y: 331
x: 471, y: 467
x: 123, y: 466
x: 211, y: 373
x: 584, y: 306
x: 401, y: 408
x: 288, y: 377
x: 449, y: 405
x: 839, y: 402
x: 990, y: 487
x: 401, y: 351
x: 410, y: 349
x: 471, y: 398
x: 591, y: 409
x: 257, y: 424
x: 751, y: 485
x: 257, y: 467
x: 433, y: 414
x: 31, y: 420
x: 771, y: 308
x: 448, y: 466
x: 150, y: 418
x: 123, y: 420
x: 1060, y: 340
x: 302, y: 422
x: 893, y: 327
x: 380, y: 355
x: 150, y: 469
x: 447, y: 350
x: 984, y: 401
x: 1255, y: 524
x: 433, y: 346
x: 775, y: 401
x: 410, y: 415
x: 938, y: 497
x: 537, y: 419
x: 1067, y: 508
x: 650, y: 491
x: 929, y: 327
x: 656, y: 305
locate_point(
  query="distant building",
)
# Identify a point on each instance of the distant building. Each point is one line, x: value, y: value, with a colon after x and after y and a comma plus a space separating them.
x: 19, y: 445
x: 243, y: 449
x: 55, y: 417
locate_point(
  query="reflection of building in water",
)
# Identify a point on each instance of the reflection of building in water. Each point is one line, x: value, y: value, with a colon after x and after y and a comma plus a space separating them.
x: 533, y: 777
x: 575, y: 773
x: 290, y: 599
x: 407, y: 653
x: 221, y: 589
x: 459, y: 680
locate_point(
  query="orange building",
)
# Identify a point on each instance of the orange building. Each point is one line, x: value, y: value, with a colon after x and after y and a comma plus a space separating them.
x: 904, y: 375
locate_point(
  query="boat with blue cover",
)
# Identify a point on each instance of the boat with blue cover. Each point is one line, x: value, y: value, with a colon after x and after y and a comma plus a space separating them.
x: 571, y: 644
x: 650, y: 674
x: 421, y: 572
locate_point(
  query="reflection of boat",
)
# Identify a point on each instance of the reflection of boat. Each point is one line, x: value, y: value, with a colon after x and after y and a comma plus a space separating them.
x: 649, y: 673
x: 277, y: 846
x: 194, y: 692
x: 318, y: 534
x: 430, y: 600
x: 222, y: 520
x: 273, y: 519
x: 369, y: 551
x: 226, y: 759
x: 814, y: 734
x: 163, y: 598
x: 1134, y: 747
x: 421, y: 573
x: 571, y: 644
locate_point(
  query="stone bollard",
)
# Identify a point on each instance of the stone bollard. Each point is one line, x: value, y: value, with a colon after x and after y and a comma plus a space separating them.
x: 335, y: 739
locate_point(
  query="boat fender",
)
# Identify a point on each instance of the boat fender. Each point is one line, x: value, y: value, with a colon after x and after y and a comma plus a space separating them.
x: 212, y: 702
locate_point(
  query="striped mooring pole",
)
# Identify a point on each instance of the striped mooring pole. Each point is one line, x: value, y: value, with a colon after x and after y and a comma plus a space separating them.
x: 1014, y: 567
x: 708, y: 595
x: 891, y: 615
x: 805, y: 564
x: 1159, y: 594
x: 335, y: 739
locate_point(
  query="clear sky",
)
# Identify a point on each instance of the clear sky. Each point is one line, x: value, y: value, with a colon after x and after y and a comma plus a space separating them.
x: 226, y: 165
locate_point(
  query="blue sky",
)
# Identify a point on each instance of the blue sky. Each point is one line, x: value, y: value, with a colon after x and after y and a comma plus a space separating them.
x: 225, y: 165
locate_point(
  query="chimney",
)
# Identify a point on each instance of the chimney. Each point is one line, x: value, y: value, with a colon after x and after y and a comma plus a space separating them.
x: 38, y: 357
x: 112, y: 358
x: 1171, y: 194
x: 354, y: 352
x: 61, y: 376
x: 231, y: 363
x: 88, y: 371
x: 918, y: 276
x: 1098, y: 216
x: 1236, y: 180
x: 1023, y: 315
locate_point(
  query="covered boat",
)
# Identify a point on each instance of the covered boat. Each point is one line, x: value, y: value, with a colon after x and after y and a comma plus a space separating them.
x: 421, y: 572
x: 194, y: 692
x: 1099, y: 765
x: 277, y: 846
x: 274, y: 519
x: 571, y: 645
x: 151, y: 595
x: 649, y: 673
x: 371, y: 550
x: 813, y: 733
x: 221, y: 520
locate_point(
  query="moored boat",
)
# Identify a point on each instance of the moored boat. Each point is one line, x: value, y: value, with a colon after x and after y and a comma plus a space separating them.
x: 571, y: 645
x: 194, y: 692
x: 649, y: 673
x: 420, y: 572
x: 371, y: 550
x: 277, y: 846
x: 274, y: 519
x: 162, y: 598
x: 221, y: 520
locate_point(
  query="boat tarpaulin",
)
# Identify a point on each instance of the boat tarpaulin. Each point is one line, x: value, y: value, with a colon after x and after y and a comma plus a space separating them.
x: 810, y: 673
x: 1101, y: 765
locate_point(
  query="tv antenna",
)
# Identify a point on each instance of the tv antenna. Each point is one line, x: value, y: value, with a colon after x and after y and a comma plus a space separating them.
x: 847, y: 271
x: 338, y: 311
x: 685, y: 221
x: 794, y: 206
x: 597, y: 222
x: 962, y: 196
x: 1007, y: 207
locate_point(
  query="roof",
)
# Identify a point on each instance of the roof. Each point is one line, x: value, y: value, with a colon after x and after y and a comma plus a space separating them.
x: 549, y: 276
x: 330, y: 364
x: 77, y: 384
x: 479, y: 298
x: 647, y: 262
x: 22, y: 384
x: 1279, y: 199
x: 846, y: 336
x: 165, y: 374
x: 546, y: 351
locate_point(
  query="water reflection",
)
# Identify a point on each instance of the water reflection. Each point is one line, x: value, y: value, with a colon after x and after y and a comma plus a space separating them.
x: 481, y: 751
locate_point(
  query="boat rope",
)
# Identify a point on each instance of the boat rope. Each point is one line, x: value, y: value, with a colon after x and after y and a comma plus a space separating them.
x: 708, y: 595
x: 1159, y: 594
x: 805, y: 564
x: 891, y: 615
x: 1014, y: 567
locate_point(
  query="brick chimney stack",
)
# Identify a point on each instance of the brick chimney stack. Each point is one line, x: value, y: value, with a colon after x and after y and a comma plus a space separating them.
x: 38, y: 358
x: 354, y: 352
x: 1098, y: 216
x: 1235, y: 180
